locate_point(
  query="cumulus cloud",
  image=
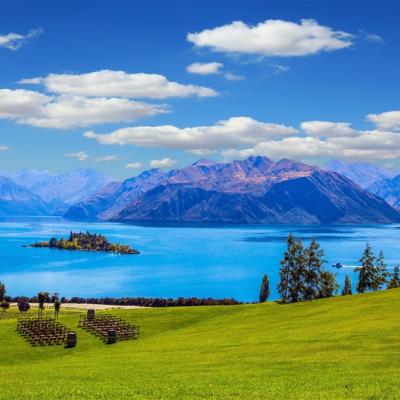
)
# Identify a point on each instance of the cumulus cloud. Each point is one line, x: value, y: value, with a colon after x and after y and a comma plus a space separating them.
x: 233, y: 77
x: 106, y: 158
x: 272, y: 38
x: 204, y: 68
x: 107, y: 83
x: 373, y: 38
x: 243, y: 136
x: 163, y: 163
x: 67, y: 112
x: 373, y: 145
x: 79, y: 155
x: 389, y: 120
x: 327, y: 129
x: 13, y: 41
x: 134, y: 165
x: 4, y: 148
x: 238, y: 131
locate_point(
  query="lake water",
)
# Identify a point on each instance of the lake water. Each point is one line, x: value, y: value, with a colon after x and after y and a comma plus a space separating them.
x: 222, y: 261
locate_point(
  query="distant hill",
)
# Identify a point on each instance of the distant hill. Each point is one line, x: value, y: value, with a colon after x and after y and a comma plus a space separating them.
x: 255, y: 190
x: 364, y: 174
x: 16, y: 200
x: 59, y: 191
x: 388, y: 189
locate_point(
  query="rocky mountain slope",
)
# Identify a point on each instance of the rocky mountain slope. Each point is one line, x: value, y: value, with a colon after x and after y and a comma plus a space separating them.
x: 255, y: 190
x: 16, y: 200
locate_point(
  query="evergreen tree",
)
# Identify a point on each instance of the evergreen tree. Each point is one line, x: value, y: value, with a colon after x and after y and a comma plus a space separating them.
x: 287, y: 264
x: 2, y: 291
x: 328, y: 285
x: 395, y: 279
x: 381, y: 273
x: 347, y: 286
x: 367, y: 271
x: 314, y: 263
x: 297, y: 288
x: 264, y: 290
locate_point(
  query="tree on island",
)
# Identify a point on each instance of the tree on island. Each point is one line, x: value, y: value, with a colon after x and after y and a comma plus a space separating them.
x: 5, y: 305
x: 264, y: 290
x: 395, y: 278
x: 2, y: 291
x: 347, y: 287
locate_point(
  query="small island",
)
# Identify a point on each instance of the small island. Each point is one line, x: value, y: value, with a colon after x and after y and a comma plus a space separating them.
x: 86, y: 242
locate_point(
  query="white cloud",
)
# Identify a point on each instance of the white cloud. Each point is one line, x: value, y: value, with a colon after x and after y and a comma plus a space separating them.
x: 67, y: 112
x: 80, y: 155
x: 236, y: 131
x: 371, y: 145
x: 163, y: 163
x: 13, y: 41
x: 373, y: 38
x: 204, y: 68
x: 202, y: 152
x: 389, y: 120
x: 134, y: 165
x: 272, y: 38
x: 326, y: 129
x: 233, y: 77
x: 107, y: 83
x: 106, y: 158
x: 4, y: 148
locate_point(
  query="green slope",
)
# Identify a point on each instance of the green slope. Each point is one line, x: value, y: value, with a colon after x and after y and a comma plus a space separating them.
x: 338, y: 348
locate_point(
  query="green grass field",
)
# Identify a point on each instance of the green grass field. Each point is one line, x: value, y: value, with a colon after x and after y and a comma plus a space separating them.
x: 338, y: 348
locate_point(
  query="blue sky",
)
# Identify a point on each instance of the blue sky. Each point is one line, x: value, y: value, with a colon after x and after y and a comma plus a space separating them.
x: 300, y: 79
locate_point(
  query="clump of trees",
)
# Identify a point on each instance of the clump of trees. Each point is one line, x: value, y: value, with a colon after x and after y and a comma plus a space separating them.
x: 5, y: 305
x: 87, y: 242
x: 302, y: 275
x: 373, y: 274
x: 23, y: 304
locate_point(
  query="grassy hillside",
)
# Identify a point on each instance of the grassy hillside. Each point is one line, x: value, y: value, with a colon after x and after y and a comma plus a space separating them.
x: 339, y: 348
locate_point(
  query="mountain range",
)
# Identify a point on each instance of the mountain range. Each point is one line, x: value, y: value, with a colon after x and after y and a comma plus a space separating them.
x: 364, y: 174
x: 55, y: 192
x: 255, y: 190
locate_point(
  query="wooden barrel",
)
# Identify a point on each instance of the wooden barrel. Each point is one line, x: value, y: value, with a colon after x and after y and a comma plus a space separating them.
x: 71, y: 339
x: 111, y: 336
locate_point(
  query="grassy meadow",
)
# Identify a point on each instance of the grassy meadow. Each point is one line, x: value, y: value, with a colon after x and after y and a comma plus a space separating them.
x: 337, y: 348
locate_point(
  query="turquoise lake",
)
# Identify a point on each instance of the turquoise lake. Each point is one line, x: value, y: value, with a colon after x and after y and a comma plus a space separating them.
x: 188, y: 261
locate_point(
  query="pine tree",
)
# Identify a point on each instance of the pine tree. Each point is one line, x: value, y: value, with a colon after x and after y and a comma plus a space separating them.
x: 2, y: 291
x: 367, y: 271
x: 297, y: 273
x: 347, y: 286
x: 328, y: 285
x: 381, y: 273
x: 287, y: 264
x: 395, y: 279
x: 264, y: 290
x: 314, y: 263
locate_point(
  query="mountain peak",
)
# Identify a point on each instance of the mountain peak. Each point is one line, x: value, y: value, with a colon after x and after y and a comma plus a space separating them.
x: 203, y: 162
